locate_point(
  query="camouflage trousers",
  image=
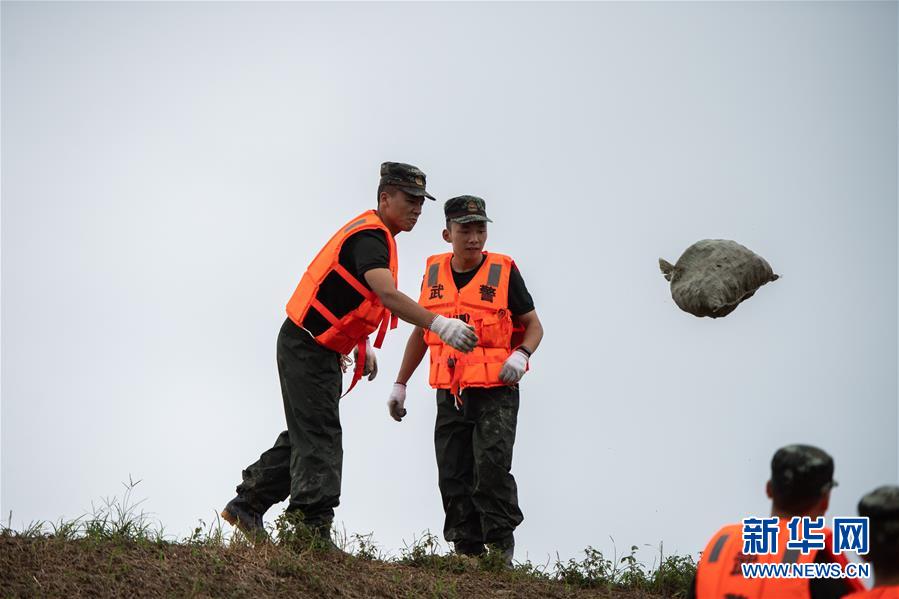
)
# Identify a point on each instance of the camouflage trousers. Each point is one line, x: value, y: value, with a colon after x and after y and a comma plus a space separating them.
x: 474, y: 462
x: 306, y: 460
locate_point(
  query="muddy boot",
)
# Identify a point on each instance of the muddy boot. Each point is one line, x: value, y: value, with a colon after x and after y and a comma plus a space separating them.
x: 504, y: 549
x: 322, y: 541
x: 241, y: 514
x: 469, y: 548
x: 469, y: 554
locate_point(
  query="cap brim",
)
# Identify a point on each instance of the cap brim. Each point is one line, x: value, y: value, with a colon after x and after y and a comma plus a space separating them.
x: 414, y: 191
x: 470, y: 218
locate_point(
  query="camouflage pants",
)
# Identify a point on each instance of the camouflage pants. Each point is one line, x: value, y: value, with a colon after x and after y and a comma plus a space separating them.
x: 474, y: 462
x: 306, y: 459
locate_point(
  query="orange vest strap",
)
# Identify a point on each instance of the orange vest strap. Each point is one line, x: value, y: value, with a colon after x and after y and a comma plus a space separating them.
x: 353, y: 281
x: 329, y: 316
x: 362, y: 350
x: 454, y: 361
x: 388, y: 319
x: 359, y: 367
x: 456, y: 384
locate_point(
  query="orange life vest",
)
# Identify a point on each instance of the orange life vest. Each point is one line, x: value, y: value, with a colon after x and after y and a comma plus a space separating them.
x: 352, y: 329
x: 719, y: 574
x: 484, y: 304
x: 890, y: 592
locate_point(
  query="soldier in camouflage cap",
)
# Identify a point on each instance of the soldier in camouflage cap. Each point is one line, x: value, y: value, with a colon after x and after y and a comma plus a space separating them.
x: 347, y: 293
x: 881, y: 507
x: 800, y: 485
x: 405, y: 177
x: 477, y: 414
x: 801, y: 475
x: 466, y: 209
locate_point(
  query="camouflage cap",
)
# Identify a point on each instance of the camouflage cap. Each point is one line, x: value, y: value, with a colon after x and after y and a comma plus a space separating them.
x: 881, y: 503
x: 408, y: 178
x: 881, y: 506
x: 466, y: 209
x: 801, y: 472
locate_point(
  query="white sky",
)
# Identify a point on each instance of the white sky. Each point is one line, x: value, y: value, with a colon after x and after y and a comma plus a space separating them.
x: 170, y: 169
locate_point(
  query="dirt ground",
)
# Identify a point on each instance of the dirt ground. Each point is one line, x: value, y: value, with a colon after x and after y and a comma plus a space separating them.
x: 50, y: 567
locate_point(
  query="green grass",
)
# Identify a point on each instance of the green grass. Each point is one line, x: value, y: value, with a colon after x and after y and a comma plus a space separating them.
x: 113, y: 518
x: 122, y: 520
x: 671, y: 577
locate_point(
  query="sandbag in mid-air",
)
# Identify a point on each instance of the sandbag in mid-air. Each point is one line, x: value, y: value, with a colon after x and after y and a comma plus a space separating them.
x: 713, y: 276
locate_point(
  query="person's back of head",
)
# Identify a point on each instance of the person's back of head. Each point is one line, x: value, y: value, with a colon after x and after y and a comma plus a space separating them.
x: 881, y: 507
x: 801, y: 480
x: 800, y: 484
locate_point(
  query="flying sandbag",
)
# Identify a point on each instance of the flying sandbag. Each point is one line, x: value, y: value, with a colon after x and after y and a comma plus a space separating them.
x: 713, y: 276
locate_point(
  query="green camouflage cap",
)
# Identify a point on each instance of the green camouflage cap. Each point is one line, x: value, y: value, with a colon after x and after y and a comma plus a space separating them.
x: 466, y: 209
x: 881, y: 507
x: 801, y: 472
x: 408, y: 178
x: 881, y: 503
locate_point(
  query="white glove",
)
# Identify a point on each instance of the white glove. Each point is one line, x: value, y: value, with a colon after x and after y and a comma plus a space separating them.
x: 455, y: 333
x: 371, y: 361
x: 397, y: 401
x: 514, y: 367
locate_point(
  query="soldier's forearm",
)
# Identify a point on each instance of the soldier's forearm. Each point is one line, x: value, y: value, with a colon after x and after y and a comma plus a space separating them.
x: 533, y: 333
x: 407, y: 309
x: 415, y: 351
x: 381, y: 282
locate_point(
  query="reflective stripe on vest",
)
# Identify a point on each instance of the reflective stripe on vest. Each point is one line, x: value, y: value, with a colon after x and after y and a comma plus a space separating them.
x: 352, y: 329
x: 484, y: 304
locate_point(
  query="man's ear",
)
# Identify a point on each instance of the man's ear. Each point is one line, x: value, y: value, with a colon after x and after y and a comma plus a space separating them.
x: 446, y: 236
x: 768, y: 490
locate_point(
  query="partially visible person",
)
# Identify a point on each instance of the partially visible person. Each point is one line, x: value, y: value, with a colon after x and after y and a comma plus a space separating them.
x: 800, y: 485
x: 881, y: 507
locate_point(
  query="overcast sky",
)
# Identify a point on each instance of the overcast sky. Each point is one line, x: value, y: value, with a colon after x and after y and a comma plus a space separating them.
x: 169, y: 170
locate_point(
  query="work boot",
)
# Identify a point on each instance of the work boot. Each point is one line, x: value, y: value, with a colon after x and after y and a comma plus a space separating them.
x: 321, y: 539
x: 469, y: 553
x: 505, y: 549
x: 470, y: 548
x: 240, y: 514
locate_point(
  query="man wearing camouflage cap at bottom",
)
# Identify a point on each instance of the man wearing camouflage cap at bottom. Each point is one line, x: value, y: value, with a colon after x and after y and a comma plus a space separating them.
x: 477, y: 393
x: 881, y: 507
x: 347, y: 293
x: 800, y: 485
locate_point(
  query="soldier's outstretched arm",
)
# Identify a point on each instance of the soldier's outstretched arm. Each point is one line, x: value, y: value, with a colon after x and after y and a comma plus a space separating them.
x: 381, y: 282
x: 452, y: 331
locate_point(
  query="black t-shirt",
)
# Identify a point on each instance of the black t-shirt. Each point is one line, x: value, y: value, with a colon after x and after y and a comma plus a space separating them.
x: 361, y: 252
x: 520, y: 300
x: 827, y: 588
